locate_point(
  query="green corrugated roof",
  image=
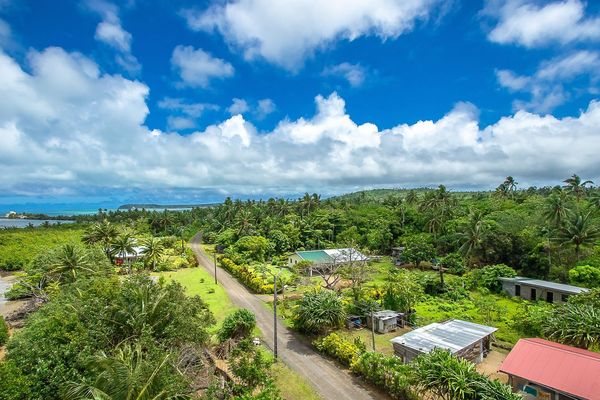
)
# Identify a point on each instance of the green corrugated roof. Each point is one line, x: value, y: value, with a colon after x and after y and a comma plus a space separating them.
x: 318, y: 256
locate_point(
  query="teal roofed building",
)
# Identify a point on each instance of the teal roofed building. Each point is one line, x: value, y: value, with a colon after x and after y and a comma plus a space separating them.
x: 327, y: 257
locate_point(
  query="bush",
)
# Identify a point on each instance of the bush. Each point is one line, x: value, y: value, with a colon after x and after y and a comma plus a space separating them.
x: 238, y: 325
x: 591, y: 297
x: 247, y: 275
x: 585, y: 275
x: 386, y: 372
x: 454, y: 263
x: 342, y: 350
x: 3, y: 331
x: 319, y: 311
x: 448, y: 377
x: 487, y: 277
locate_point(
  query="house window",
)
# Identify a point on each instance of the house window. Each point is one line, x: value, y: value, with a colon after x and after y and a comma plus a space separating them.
x: 564, y: 298
x: 517, y: 290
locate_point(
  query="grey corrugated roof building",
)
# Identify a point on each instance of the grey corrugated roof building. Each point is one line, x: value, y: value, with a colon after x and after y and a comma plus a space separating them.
x: 537, y: 289
x: 462, y: 338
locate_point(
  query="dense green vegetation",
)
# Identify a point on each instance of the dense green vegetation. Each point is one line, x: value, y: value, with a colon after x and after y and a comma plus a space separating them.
x: 94, y: 324
x: 437, y: 373
x: 18, y: 247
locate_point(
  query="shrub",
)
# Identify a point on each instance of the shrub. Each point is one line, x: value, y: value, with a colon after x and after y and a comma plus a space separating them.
x: 3, y: 331
x: 454, y: 263
x: 448, y: 377
x: 237, y: 325
x: 319, y: 311
x: 585, y: 275
x: 591, y: 297
x: 487, y: 277
x: 386, y: 372
x: 335, y: 346
x: 248, y: 276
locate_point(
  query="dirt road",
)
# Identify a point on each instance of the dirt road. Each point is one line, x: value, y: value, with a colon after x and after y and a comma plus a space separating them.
x: 329, y: 380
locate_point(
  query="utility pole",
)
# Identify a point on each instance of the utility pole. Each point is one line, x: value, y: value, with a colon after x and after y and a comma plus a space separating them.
x: 215, y: 262
x: 275, y: 276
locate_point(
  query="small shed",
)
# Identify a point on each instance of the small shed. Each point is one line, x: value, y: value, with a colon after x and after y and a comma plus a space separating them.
x: 536, y: 289
x: 464, y: 339
x: 385, y: 321
x: 397, y: 255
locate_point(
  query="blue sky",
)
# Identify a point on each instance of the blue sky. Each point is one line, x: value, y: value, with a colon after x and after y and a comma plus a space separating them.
x: 184, y: 101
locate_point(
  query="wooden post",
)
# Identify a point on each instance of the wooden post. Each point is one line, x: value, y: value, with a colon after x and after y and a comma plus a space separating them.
x: 373, y: 329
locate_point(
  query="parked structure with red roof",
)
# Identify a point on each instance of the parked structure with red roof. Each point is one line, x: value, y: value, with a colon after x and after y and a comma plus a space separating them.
x: 551, y: 371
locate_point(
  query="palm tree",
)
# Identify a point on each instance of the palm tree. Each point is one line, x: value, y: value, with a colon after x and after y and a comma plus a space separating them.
x: 473, y: 235
x: 103, y: 233
x: 579, y: 231
x: 411, y: 197
x: 576, y: 186
x: 124, y: 244
x: 557, y: 208
x: 128, y: 375
x: 153, y: 251
x: 508, y: 187
x: 70, y: 262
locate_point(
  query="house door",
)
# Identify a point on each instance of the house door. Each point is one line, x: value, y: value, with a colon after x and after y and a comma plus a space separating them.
x: 550, y: 297
x: 533, y: 294
x: 517, y: 290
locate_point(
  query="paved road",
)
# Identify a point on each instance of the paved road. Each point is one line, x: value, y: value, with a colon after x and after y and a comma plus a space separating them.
x: 326, y: 377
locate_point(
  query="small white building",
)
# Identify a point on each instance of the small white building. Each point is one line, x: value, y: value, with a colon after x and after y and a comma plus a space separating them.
x: 129, y: 257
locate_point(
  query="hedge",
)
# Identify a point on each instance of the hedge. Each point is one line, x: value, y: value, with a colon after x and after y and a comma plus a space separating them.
x: 338, y: 348
x: 253, y: 280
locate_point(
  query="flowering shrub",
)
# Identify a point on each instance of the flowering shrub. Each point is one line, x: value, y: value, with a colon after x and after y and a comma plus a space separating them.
x: 386, y: 372
x: 335, y: 346
x: 247, y: 275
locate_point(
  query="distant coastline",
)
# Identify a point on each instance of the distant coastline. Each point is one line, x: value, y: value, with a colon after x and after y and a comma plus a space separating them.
x: 161, y: 207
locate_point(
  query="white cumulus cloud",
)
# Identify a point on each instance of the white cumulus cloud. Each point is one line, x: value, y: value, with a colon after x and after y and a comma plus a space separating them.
x: 197, y: 67
x: 353, y: 73
x: 547, y: 86
x: 287, y: 32
x: 111, y: 32
x: 531, y: 24
x: 68, y: 128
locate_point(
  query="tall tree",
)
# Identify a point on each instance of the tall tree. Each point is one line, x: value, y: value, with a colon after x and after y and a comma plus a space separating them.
x: 576, y: 186
x: 124, y: 244
x: 71, y: 262
x: 128, y: 375
x: 103, y: 233
x: 578, y: 231
x: 153, y: 251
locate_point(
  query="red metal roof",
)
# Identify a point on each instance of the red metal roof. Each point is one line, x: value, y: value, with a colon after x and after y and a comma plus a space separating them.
x: 563, y: 368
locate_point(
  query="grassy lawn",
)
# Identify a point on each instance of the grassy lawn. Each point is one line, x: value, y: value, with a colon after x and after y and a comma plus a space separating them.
x: 291, y: 385
x: 197, y: 281
x: 382, y: 341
